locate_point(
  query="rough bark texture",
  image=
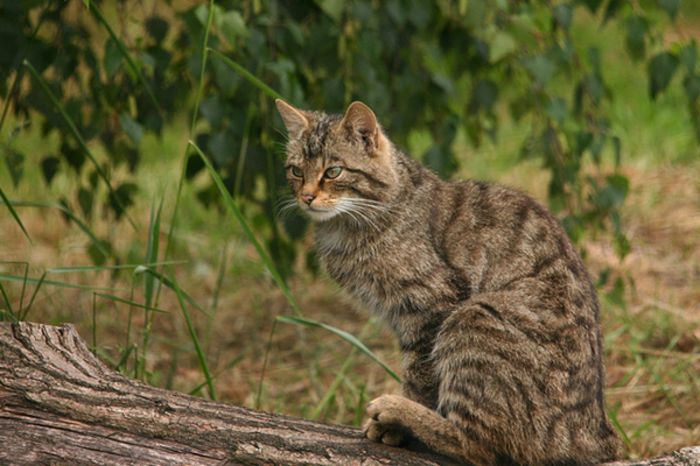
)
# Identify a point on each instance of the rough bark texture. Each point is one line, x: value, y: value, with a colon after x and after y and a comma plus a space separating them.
x: 60, y: 405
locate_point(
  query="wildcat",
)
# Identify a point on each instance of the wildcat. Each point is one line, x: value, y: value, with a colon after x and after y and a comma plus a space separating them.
x: 496, y: 316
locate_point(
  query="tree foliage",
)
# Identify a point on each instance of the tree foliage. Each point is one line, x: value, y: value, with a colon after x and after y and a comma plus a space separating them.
x: 435, y: 68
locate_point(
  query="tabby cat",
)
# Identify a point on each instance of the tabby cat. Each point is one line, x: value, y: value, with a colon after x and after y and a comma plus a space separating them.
x: 496, y: 316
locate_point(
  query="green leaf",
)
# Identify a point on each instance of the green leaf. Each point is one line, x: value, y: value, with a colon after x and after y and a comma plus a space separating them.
x: 85, y: 198
x: 637, y: 29
x: 556, y: 109
x: 670, y: 7
x: 121, y: 198
x: 617, y: 150
x: 592, y: 5
x: 501, y: 46
x: 541, y: 68
x: 692, y: 87
x: 15, y: 164
x: 113, y: 57
x: 157, y: 28
x: 49, y: 167
x: 441, y: 160
x: 233, y: 26
x: 614, y: 193
x: 563, y: 13
x: 342, y: 334
x: 131, y: 127
x: 524, y: 30
x: 612, y: 9
x: 484, y: 96
x: 661, y: 69
x: 333, y: 8
x: 689, y: 56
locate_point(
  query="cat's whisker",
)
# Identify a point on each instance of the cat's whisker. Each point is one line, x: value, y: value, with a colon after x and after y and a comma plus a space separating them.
x: 370, y: 204
x: 282, y: 133
x: 284, y: 207
x: 285, y: 200
x: 353, y: 214
x: 366, y: 218
x: 371, y: 212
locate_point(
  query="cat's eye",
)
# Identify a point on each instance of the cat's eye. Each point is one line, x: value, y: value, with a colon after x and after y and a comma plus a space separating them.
x: 296, y: 171
x: 333, y: 172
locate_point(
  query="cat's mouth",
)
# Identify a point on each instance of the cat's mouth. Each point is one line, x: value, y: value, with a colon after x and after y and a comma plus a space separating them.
x: 319, y: 214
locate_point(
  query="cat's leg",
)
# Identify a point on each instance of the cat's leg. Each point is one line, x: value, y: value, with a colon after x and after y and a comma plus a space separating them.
x: 420, y: 384
x: 391, y: 415
x: 419, y: 387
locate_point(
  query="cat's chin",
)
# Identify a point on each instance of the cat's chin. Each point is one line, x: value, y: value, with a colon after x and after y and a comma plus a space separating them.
x: 318, y: 215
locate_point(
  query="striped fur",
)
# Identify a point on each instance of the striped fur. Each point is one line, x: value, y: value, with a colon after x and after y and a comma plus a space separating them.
x: 496, y: 316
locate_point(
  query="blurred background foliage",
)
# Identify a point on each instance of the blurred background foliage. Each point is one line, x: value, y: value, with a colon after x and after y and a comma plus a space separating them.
x: 431, y: 70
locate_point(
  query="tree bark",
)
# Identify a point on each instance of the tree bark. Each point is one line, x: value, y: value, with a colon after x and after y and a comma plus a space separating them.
x: 60, y: 405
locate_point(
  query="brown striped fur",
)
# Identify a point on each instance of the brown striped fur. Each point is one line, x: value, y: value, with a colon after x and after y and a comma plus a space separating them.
x: 496, y: 316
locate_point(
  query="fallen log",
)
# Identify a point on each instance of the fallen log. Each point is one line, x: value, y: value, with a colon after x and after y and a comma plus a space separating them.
x: 60, y: 405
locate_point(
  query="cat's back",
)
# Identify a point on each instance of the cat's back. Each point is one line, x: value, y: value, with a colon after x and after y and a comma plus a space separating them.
x: 499, y: 235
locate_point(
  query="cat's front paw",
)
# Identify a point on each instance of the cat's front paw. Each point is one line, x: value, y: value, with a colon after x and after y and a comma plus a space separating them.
x: 387, y: 434
x: 384, y: 423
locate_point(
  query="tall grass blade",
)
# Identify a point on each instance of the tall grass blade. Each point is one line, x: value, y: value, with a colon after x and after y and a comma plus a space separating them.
x: 172, y: 285
x: 228, y: 366
x: 330, y: 393
x: 616, y: 423
x: 125, y: 53
x: 342, y: 334
x: 203, y: 66
x: 258, y: 393
x: 13, y: 212
x: 124, y: 357
x: 8, y: 305
x: 24, y: 286
x: 233, y: 209
x: 149, y: 283
x: 25, y: 266
x: 76, y: 134
x: 97, y: 268
x: 130, y: 302
x: 247, y: 75
x: 242, y: 153
x: 60, y: 284
x: 94, y: 324
x: 195, y: 341
x: 195, y: 115
x: 152, y: 247
x: 31, y: 300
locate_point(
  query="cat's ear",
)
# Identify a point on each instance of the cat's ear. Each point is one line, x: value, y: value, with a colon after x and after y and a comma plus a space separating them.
x: 359, y: 119
x: 294, y: 119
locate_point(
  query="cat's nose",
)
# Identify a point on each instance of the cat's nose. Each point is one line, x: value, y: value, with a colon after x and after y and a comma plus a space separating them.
x: 308, y: 198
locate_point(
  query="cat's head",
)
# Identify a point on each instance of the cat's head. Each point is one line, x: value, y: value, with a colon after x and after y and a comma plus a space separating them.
x: 338, y: 164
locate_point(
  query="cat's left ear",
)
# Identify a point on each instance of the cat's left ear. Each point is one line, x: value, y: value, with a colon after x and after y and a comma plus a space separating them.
x: 294, y: 119
x: 360, y: 120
